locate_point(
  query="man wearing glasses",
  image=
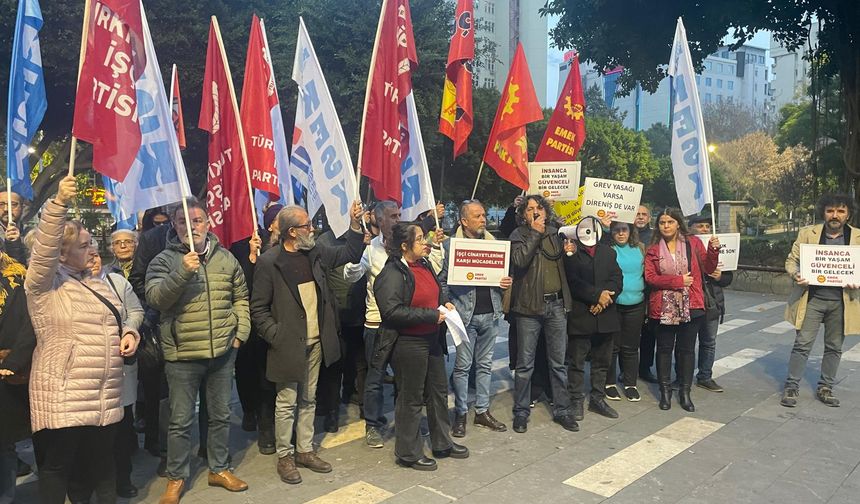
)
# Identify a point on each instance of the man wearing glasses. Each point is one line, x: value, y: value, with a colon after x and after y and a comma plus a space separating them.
x: 295, y: 312
x: 123, y: 244
x: 13, y: 234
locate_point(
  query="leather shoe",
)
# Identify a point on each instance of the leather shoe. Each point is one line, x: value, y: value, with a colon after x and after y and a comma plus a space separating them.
x: 422, y: 464
x: 520, y: 424
x: 602, y: 408
x: 459, y: 427
x: 311, y: 460
x: 648, y: 376
x: 455, y: 451
x: 227, y: 480
x: 567, y: 422
x: 577, y: 410
x: 485, y: 419
x: 126, y: 490
x: 173, y: 492
x: 287, y: 470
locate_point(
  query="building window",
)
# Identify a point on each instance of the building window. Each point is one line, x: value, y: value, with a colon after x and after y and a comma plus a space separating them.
x: 731, y: 69
x: 719, y: 68
x: 707, y: 81
x: 719, y: 97
x: 488, y: 82
x: 491, y: 26
x: 725, y: 54
x: 720, y: 83
x: 698, y: 81
x: 707, y: 97
x: 730, y: 85
x: 761, y: 60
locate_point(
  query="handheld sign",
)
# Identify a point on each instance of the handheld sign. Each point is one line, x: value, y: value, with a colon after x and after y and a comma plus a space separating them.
x: 570, y: 211
x: 558, y: 180
x: 619, y: 200
x: 479, y: 263
x: 831, y: 265
x: 730, y: 249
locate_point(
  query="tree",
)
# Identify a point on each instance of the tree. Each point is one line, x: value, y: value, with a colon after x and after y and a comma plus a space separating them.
x: 728, y: 120
x: 596, y: 106
x: 639, y: 37
x: 615, y: 152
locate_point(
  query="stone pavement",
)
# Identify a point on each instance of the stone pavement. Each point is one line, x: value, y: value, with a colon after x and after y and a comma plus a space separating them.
x: 740, y: 446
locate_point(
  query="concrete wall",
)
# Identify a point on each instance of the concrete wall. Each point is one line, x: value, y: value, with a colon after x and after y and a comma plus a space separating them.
x: 765, y: 282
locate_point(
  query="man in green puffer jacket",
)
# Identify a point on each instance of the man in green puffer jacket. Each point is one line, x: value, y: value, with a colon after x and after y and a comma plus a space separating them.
x: 203, y: 300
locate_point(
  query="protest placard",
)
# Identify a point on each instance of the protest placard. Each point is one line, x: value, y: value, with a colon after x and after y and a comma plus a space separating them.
x: 619, y: 200
x: 833, y: 265
x: 478, y: 262
x: 730, y: 249
x: 570, y: 211
x: 558, y: 180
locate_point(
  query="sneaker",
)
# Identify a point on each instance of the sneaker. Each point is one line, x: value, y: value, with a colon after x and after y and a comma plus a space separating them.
x: 825, y: 395
x: 567, y: 422
x: 632, y: 394
x: 789, y: 398
x: 611, y: 392
x: 373, y: 438
x: 709, y: 385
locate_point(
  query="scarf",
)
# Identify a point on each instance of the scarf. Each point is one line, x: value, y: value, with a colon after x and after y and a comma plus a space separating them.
x: 676, y: 303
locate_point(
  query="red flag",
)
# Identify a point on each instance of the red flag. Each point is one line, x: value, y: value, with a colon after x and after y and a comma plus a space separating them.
x: 106, y: 101
x: 455, y: 121
x: 385, y: 139
x: 227, y: 196
x: 507, y: 146
x: 565, y: 132
x: 258, y: 98
x: 176, y: 109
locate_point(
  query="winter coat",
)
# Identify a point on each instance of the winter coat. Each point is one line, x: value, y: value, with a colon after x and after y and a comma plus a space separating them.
x: 279, y: 314
x: 798, y: 298
x: 527, y: 270
x: 132, y: 316
x: 587, y: 277
x: 16, y: 335
x: 202, y: 311
x: 76, y: 377
x: 707, y: 259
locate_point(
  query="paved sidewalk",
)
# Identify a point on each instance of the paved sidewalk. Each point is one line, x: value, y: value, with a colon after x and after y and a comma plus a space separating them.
x: 740, y: 446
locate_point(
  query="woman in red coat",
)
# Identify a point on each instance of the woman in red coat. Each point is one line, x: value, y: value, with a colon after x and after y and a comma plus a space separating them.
x: 674, y: 267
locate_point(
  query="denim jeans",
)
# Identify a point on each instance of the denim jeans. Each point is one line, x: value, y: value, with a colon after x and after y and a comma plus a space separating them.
x: 184, y: 379
x: 707, y: 348
x: 482, y: 332
x: 374, y: 402
x: 295, y: 406
x: 554, y: 323
x: 832, y: 314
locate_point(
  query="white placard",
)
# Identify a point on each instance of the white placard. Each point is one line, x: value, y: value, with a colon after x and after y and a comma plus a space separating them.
x: 478, y: 262
x: 833, y: 265
x: 558, y: 180
x: 619, y: 200
x: 730, y: 249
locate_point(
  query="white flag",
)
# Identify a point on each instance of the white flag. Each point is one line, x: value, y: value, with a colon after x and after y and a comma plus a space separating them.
x: 689, y: 146
x: 157, y: 175
x: 319, y: 142
x: 414, y: 173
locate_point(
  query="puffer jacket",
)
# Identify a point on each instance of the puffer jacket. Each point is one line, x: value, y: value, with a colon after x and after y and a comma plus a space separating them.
x: 201, y: 312
x: 76, y: 378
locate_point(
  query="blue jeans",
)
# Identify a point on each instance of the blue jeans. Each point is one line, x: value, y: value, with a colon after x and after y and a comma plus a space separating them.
x: 707, y: 348
x: 554, y: 323
x: 482, y: 332
x: 374, y: 402
x: 184, y: 379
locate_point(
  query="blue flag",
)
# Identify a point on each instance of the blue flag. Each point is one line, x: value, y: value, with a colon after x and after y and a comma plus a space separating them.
x: 27, y: 103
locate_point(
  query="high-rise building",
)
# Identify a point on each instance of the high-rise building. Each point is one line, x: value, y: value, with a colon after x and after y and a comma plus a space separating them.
x: 501, y: 24
x: 740, y: 76
x: 791, y: 70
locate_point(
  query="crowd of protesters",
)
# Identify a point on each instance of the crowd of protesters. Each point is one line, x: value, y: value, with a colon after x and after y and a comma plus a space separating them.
x: 92, y: 354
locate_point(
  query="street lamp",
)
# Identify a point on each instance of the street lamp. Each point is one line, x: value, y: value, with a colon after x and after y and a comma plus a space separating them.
x: 712, y: 148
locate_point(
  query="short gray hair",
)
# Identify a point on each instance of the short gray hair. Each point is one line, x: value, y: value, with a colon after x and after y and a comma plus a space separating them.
x: 289, y: 217
x: 129, y: 232
x: 379, y: 209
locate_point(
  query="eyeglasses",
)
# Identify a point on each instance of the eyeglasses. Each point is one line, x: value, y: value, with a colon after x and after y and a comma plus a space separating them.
x: 122, y: 243
x: 15, y: 205
x: 308, y: 225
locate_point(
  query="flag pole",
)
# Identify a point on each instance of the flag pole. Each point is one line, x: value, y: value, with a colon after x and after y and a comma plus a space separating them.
x: 9, y: 200
x: 367, y: 97
x: 238, y: 121
x: 83, y: 52
x: 480, y: 170
x: 184, y: 190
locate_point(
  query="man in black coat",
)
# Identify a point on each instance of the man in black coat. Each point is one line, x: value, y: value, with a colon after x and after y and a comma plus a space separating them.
x: 595, y: 281
x: 295, y: 312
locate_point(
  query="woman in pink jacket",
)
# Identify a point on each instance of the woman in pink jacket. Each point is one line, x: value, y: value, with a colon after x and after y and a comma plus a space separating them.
x: 674, y: 268
x: 76, y: 376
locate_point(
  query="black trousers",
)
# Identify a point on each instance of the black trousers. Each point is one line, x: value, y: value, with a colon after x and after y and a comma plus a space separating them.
x: 647, y: 344
x: 328, y: 388
x: 625, y: 350
x: 154, y: 387
x: 354, y: 364
x: 540, y: 375
x: 682, y: 340
x: 578, y: 347
x: 419, y: 371
x: 124, y: 446
x: 249, y: 358
x: 82, y: 456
